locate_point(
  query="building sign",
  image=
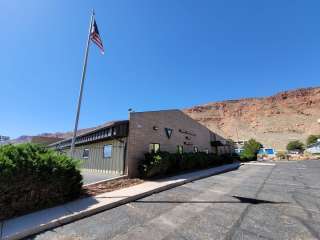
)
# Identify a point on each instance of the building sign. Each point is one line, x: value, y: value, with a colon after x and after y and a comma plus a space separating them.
x: 187, y: 132
x: 169, y: 132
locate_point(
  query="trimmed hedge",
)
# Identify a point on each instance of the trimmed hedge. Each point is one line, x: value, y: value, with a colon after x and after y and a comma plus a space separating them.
x: 33, y: 177
x: 163, y: 163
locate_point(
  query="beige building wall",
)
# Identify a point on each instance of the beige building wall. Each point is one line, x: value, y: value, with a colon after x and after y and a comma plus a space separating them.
x: 186, y: 132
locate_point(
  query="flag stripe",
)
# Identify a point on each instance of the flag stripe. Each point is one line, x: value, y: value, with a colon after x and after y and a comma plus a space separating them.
x: 95, y: 36
x: 97, y: 40
x: 98, y: 44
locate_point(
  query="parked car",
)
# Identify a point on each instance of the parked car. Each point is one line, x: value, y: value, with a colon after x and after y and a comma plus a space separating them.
x: 295, y: 152
x: 270, y: 152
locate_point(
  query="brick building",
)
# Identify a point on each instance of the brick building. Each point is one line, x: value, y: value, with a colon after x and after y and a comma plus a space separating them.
x: 117, y: 147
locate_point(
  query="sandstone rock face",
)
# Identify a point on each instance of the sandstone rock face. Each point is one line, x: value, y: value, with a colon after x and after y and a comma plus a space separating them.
x: 274, y: 121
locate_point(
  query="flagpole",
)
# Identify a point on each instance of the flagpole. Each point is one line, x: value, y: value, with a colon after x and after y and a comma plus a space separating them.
x: 81, y: 87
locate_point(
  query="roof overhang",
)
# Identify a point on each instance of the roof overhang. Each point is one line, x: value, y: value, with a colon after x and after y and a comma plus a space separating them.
x: 114, y: 130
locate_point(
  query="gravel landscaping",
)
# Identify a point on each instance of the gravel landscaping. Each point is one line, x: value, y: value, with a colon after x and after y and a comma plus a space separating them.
x: 109, y: 186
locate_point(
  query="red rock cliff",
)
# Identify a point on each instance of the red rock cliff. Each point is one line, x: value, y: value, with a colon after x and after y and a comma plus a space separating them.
x: 273, y: 121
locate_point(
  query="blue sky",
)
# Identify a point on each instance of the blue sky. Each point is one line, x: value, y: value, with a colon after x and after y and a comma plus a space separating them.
x: 159, y: 55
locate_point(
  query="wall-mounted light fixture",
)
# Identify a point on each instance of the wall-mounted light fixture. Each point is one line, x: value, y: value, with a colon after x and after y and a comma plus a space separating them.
x: 155, y: 128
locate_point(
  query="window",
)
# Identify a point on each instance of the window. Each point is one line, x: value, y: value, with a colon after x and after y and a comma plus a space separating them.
x: 107, y: 151
x: 85, y: 153
x: 109, y: 132
x: 154, y: 147
x: 195, y: 149
x: 180, y: 149
x: 114, y: 131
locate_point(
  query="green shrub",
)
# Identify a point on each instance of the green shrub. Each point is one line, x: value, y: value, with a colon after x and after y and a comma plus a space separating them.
x: 312, y: 139
x: 175, y: 159
x: 155, y: 164
x: 227, y: 159
x: 202, y: 159
x: 250, y: 150
x: 191, y: 160
x: 295, y: 145
x: 33, y: 177
x: 162, y: 163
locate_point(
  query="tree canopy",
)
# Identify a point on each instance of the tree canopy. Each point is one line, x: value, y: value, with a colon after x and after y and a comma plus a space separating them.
x: 295, y: 145
x: 250, y: 150
x: 312, y: 139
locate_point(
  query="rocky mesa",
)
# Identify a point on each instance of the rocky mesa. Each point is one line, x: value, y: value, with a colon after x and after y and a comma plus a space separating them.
x: 274, y: 121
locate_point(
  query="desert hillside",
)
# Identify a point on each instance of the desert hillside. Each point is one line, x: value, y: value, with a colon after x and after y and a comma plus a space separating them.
x: 273, y: 121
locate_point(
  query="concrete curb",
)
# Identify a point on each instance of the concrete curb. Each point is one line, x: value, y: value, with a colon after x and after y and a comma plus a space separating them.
x: 106, y: 180
x: 259, y: 163
x: 17, y: 229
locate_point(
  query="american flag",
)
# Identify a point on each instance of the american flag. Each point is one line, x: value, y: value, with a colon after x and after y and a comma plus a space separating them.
x: 95, y: 37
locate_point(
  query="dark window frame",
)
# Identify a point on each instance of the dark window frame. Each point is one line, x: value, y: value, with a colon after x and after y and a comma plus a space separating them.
x: 152, y: 148
x: 109, y: 132
x: 180, y: 149
x: 114, y: 131
x: 85, y: 156
x: 195, y: 149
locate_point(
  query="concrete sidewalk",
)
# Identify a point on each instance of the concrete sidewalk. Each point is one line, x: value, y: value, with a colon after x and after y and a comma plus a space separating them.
x: 49, y: 218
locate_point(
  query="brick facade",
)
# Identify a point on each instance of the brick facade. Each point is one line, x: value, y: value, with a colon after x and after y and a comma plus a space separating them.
x: 130, y: 140
x: 150, y: 127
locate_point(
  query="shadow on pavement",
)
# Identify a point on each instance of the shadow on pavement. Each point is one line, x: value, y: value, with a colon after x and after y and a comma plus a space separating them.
x: 241, y: 200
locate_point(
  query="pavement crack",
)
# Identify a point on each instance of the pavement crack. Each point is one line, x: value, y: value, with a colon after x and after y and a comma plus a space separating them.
x: 237, y: 224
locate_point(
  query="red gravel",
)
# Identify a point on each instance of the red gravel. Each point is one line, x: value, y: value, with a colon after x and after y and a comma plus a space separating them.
x: 109, y: 186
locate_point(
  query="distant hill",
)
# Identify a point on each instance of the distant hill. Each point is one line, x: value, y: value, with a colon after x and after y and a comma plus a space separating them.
x: 275, y: 120
x: 63, y: 135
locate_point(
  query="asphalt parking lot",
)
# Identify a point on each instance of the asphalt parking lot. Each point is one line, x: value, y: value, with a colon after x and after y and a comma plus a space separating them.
x: 279, y: 201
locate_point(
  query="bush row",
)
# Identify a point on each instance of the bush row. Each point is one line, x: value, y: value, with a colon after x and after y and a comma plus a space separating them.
x: 162, y: 163
x: 33, y: 177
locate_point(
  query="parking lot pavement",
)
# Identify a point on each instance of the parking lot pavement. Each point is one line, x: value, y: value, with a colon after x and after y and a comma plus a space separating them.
x: 92, y: 177
x: 279, y: 201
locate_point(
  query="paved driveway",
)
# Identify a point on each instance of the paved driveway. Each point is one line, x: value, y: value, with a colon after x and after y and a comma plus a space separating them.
x: 92, y: 177
x: 255, y: 202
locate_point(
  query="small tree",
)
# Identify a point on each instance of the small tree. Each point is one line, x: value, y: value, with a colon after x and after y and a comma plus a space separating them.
x: 250, y: 150
x: 312, y: 139
x: 295, y: 145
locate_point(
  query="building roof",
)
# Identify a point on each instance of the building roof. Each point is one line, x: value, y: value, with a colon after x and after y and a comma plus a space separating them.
x: 109, y: 130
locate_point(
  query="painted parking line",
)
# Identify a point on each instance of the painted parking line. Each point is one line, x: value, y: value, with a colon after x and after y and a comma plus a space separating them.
x: 259, y: 164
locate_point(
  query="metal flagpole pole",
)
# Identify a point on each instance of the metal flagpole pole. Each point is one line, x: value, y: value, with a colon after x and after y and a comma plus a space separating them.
x: 81, y: 86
